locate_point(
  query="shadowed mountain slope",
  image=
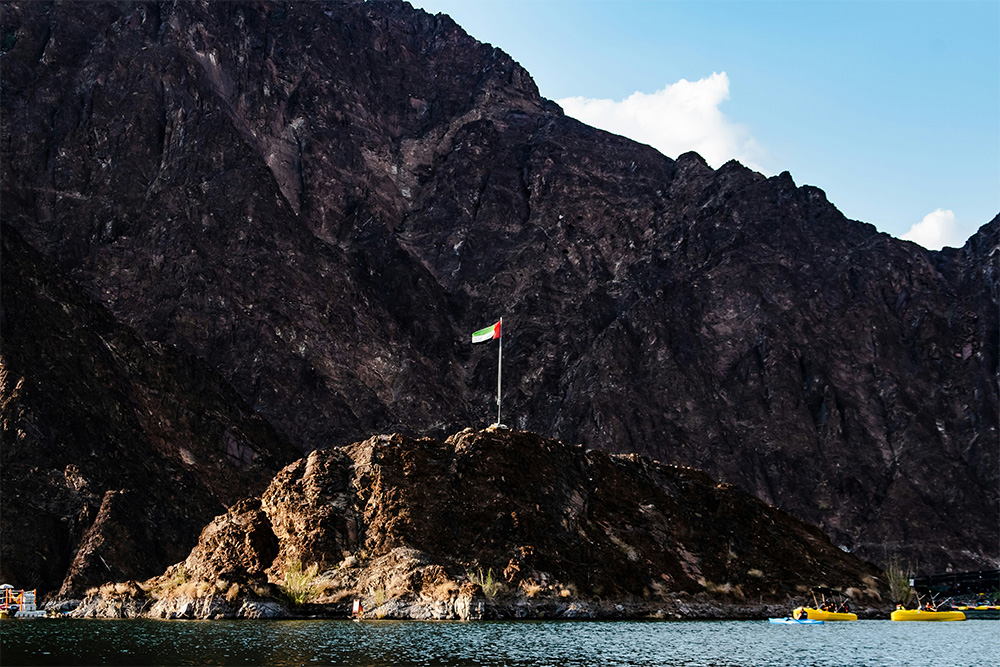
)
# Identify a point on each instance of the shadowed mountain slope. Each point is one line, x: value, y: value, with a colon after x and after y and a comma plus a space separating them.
x: 115, y: 452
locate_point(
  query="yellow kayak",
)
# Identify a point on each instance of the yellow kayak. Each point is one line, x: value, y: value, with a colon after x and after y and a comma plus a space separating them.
x: 823, y: 615
x: 925, y: 615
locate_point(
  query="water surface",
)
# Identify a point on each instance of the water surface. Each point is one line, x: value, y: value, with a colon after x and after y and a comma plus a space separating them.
x: 497, y: 643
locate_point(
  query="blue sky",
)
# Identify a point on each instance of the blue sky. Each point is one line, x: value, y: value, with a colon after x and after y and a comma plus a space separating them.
x: 892, y: 106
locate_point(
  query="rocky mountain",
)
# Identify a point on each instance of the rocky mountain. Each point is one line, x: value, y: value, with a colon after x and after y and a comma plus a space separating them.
x: 116, y: 452
x: 321, y: 201
x: 497, y: 523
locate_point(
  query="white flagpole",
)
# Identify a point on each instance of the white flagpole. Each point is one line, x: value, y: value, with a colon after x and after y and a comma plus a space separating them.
x: 499, y: 366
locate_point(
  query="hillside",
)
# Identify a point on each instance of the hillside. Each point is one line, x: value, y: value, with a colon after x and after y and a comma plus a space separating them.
x: 115, y: 452
x: 498, y: 523
x: 321, y: 201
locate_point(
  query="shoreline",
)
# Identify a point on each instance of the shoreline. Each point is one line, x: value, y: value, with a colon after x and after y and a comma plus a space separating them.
x: 454, y: 609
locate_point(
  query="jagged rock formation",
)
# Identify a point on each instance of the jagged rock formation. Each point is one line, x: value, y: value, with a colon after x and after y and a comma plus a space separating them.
x: 322, y: 200
x: 409, y: 526
x: 116, y: 453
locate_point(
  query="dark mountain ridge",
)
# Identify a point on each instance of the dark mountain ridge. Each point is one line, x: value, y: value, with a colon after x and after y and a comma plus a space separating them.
x: 322, y: 200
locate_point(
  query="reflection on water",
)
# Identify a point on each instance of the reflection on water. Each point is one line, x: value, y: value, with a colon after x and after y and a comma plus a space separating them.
x: 562, y: 643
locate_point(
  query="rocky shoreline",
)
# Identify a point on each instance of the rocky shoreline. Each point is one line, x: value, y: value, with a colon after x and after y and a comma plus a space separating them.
x: 133, y: 603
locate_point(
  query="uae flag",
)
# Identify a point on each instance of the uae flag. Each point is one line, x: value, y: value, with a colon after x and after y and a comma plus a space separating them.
x: 489, y: 333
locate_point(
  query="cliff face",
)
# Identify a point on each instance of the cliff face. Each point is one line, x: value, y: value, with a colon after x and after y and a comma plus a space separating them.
x: 116, y: 453
x: 536, y: 509
x: 506, y: 523
x: 322, y: 200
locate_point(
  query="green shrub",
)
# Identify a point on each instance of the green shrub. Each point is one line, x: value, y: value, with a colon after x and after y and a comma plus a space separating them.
x: 486, y: 581
x: 300, y: 585
x: 898, y: 578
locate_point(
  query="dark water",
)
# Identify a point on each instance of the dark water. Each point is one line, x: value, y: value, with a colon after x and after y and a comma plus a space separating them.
x: 562, y: 643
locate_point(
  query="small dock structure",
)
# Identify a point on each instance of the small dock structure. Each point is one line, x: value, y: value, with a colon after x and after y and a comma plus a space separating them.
x: 18, y: 603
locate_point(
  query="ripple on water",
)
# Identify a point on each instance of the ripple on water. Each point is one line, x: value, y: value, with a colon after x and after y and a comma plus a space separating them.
x: 488, y: 644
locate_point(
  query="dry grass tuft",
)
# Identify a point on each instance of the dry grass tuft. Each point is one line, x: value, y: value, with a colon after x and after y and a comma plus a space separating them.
x: 444, y: 590
x: 192, y: 589
x: 531, y: 588
x: 661, y: 589
x: 569, y: 591
x: 871, y: 587
x: 723, y: 589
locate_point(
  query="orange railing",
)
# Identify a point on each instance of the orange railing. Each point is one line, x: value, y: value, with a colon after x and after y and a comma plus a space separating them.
x: 13, y: 596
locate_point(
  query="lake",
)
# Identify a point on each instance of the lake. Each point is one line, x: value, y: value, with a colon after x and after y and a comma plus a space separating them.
x: 507, y: 643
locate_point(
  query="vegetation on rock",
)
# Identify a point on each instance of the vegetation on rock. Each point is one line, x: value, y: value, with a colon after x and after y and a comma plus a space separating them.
x: 300, y: 584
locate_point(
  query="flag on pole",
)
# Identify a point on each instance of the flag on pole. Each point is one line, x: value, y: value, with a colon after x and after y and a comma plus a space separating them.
x: 489, y: 333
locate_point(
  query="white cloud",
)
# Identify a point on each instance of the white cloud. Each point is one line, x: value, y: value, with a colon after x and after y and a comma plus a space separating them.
x: 937, y: 230
x: 682, y: 117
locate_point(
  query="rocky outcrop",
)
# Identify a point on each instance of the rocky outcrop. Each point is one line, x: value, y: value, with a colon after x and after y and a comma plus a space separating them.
x: 116, y: 452
x: 237, y: 546
x: 320, y: 201
x: 506, y: 524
